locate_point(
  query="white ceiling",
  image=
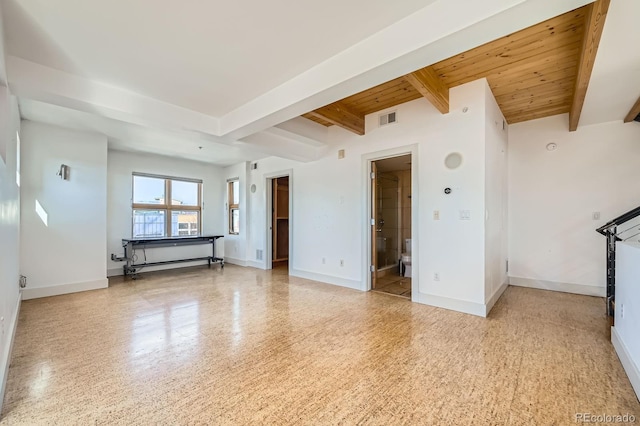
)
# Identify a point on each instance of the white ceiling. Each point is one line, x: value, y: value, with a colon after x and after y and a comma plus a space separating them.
x: 132, y: 137
x: 208, y: 56
x: 168, y: 77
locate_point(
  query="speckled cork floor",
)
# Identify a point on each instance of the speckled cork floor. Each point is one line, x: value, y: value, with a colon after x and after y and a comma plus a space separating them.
x: 394, y: 284
x: 250, y: 347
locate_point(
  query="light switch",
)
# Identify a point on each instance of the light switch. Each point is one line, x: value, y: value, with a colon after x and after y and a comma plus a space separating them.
x: 465, y: 214
x: 436, y: 215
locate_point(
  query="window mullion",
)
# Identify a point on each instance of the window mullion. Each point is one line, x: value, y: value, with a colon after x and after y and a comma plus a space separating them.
x: 167, y: 202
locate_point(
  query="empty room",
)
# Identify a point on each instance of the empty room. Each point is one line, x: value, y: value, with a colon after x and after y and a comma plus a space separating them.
x: 423, y: 212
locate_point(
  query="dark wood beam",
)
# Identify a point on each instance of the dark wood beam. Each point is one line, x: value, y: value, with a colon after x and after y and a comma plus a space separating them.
x: 633, y: 113
x: 339, y: 114
x: 594, y: 24
x: 427, y: 82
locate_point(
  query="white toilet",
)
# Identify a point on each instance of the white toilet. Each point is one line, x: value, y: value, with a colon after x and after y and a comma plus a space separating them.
x: 406, y: 258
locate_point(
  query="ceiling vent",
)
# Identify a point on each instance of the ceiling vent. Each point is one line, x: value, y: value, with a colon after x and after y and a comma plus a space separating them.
x: 388, y: 118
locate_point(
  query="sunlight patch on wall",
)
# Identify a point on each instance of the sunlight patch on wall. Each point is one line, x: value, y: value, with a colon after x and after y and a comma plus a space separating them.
x: 44, y: 217
x: 18, y: 159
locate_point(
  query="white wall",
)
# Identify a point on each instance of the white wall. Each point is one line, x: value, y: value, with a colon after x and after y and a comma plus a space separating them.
x: 9, y: 232
x: 121, y: 165
x: 330, y: 208
x: 496, y: 138
x: 235, y: 246
x: 257, y: 213
x: 68, y: 253
x: 624, y: 334
x: 552, y: 195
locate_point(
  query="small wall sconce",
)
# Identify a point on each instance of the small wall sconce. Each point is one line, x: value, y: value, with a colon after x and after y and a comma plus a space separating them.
x: 63, y: 172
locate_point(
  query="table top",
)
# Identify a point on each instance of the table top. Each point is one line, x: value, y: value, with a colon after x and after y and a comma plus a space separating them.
x: 169, y: 239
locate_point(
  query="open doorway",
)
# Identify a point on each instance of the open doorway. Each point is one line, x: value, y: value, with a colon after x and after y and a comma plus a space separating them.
x: 391, y: 226
x: 279, y: 223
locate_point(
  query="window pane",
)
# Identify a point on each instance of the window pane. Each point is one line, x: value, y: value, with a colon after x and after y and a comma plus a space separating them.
x: 236, y: 191
x: 184, y: 222
x: 148, y: 190
x: 235, y: 221
x: 149, y: 223
x: 184, y: 193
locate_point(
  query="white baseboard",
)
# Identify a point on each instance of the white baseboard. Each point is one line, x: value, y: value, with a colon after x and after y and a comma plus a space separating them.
x: 35, y: 293
x: 464, y: 306
x: 327, y: 279
x: 587, y: 290
x: 493, y: 299
x: 258, y: 264
x: 5, y: 361
x: 632, y: 370
x: 235, y: 261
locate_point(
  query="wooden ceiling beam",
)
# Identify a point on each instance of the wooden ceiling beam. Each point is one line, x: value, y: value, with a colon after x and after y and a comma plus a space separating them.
x: 339, y: 114
x: 427, y: 82
x: 633, y: 113
x: 532, y: 73
x: 594, y: 24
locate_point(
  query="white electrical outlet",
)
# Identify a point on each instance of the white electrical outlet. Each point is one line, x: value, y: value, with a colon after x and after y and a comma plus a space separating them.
x: 621, y: 311
x: 436, y: 215
x: 595, y: 215
x: 465, y: 214
x: 436, y: 276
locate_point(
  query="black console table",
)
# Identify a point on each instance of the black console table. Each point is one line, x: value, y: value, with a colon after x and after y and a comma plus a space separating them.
x: 132, y: 244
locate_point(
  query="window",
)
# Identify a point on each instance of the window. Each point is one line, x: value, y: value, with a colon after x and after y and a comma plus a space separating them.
x: 166, y: 206
x: 234, y: 206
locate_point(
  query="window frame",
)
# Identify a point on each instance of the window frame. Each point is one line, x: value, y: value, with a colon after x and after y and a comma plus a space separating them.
x: 233, y: 206
x: 167, y: 207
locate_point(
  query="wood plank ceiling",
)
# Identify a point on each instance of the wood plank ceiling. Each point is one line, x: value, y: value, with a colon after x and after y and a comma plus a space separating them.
x: 537, y: 72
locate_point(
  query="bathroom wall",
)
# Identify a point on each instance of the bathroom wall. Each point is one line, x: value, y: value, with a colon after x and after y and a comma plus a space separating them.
x: 395, y: 195
x: 388, y: 210
x: 405, y: 206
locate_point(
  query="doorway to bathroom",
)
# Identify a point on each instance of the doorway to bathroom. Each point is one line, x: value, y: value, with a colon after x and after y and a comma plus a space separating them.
x: 391, y: 226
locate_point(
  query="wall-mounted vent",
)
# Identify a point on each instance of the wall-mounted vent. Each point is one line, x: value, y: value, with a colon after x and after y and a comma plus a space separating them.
x: 389, y: 118
x: 258, y: 254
